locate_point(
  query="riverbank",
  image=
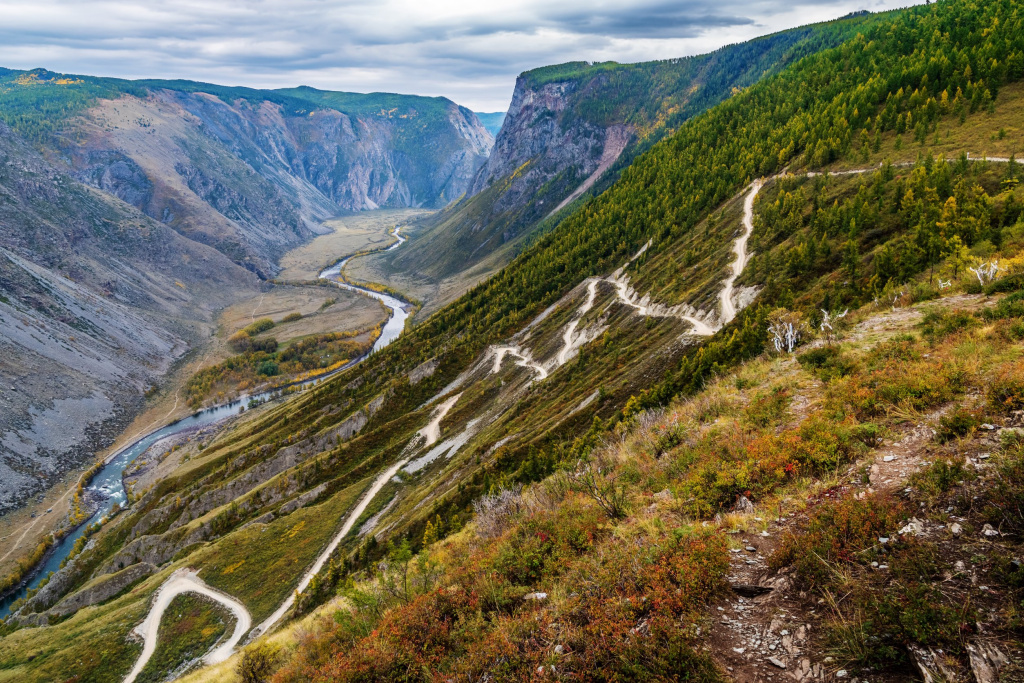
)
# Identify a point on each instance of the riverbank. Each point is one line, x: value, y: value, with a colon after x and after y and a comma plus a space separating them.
x: 167, y: 409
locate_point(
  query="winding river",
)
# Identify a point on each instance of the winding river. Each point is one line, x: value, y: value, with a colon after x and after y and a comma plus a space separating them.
x: 107, y: 483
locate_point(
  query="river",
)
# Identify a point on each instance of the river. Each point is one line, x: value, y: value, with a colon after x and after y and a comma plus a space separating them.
x: 107, y: 483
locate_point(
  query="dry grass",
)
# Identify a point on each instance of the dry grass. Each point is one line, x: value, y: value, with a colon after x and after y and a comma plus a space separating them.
x: 348, y: 235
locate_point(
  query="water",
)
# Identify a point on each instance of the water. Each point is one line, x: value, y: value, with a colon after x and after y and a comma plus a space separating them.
x: 395, y: 324
x: 108, y: 483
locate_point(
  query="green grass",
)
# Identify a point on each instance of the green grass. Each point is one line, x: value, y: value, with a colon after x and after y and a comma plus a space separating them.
x: 92, y: 646
x: 260, y: 564
x: 190, y: 627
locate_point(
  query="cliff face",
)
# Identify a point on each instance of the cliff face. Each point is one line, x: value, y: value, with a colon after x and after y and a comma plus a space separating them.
x: 540, y: 143
x: 571, y: 129
x: 97, y: 301
x: 254, y: 177
x: 543, y: 153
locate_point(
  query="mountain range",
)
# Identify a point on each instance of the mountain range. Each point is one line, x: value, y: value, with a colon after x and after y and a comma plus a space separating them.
x: 728, y: 385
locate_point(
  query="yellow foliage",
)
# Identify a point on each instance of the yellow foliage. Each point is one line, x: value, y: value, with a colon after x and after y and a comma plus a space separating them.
x: 232, y: 568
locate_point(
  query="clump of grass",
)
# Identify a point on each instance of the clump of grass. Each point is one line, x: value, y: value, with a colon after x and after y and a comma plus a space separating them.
x: 939, y: 323
x: 941, y: 477
x: 958, y: 424
x: 827, y: 363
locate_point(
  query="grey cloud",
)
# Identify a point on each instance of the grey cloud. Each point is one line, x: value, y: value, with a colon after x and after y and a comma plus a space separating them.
x: 666, y: 20
x: 467, y: 52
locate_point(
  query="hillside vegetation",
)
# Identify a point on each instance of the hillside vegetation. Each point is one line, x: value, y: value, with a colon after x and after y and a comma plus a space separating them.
x: 581, y: 461
x: 573, y: 128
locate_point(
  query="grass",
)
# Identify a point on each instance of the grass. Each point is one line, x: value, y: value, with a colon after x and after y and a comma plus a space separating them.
x: 90, y: 647
x: 191, y: 626
x: 249, y: 563
x: 348, y: 234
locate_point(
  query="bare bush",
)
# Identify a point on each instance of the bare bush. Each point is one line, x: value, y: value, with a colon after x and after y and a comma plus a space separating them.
x: 986, y: 272
x: 786, y: 329
x: 828, y: 322
x: 494, y: 512
x: 594, y: 482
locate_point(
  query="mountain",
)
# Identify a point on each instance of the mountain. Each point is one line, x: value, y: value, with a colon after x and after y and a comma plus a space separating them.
x: 641, y: 451
x: 249, y: 172
x: 569, y: 132
x: 97, y: 302
x: 491, y: 121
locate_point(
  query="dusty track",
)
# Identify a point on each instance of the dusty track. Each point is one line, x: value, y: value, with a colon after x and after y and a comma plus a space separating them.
x: 187, y: 581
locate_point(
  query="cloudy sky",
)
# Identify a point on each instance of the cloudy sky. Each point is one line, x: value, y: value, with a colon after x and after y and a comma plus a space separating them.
x: 468, y: 51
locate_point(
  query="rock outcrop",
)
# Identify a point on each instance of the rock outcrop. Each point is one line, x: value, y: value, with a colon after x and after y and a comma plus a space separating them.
x: 255, y: 176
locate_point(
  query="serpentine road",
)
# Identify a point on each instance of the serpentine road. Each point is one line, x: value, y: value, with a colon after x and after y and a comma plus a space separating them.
x: 188, y: 581
x: 185, y: 581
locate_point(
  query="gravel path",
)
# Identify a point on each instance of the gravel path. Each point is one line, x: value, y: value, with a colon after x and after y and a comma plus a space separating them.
x: 188, y: 581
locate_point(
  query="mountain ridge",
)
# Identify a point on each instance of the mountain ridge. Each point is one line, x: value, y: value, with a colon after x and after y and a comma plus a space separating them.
x: 250, y: 172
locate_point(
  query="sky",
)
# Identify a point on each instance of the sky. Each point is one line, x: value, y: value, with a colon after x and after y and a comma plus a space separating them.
x: 470, y: 52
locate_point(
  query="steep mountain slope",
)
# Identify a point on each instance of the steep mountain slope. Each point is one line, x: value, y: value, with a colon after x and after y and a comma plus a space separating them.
x: 566, y: 128
x: 249, y: 172
x: 617, y: 310
x: 97, y: 301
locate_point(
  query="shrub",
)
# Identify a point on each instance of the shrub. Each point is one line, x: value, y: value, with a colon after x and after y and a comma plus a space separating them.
x: 767, y: 409
x: 261, y: 325
x: 827, y: 363
x: 1010, y: 283
x: 1011, y: 306
x: 258, y: 663
x: 758, y: 467
x: 495, y: 512
x: 292, y: 317
x: 960, y: 423
x: 541, y: 545
x: 1006, y: 392
x: 268, y: 368
x: 240, y: 341
x: 839, y: 532
x: 939, y: 323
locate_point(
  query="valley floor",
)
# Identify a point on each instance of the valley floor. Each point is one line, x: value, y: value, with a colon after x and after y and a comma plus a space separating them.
x: 323, y: 309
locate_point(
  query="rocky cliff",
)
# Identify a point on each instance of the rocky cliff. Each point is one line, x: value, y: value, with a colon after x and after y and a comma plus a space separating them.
x: 97, y: 300
x: 251, y: 173
x: 569, y: 131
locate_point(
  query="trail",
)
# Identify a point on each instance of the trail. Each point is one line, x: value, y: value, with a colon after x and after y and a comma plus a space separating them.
x: 524, y: 356
x: 29, y: 526
x: 374, y: 489
x: 252, y: 316
x: 432, y: 432
x: 569, y: 339
x: 739, y: 248
x: 188, y: 581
